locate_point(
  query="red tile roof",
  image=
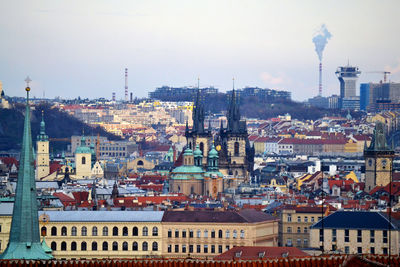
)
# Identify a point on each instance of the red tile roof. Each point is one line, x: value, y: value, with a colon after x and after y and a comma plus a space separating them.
x: 257, y: 253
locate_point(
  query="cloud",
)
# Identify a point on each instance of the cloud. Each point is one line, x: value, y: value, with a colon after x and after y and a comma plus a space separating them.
x: 395, y: 69
x: 270, y: 79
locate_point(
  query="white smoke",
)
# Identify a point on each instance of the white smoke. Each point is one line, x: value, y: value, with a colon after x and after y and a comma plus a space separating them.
x: 320, y: 39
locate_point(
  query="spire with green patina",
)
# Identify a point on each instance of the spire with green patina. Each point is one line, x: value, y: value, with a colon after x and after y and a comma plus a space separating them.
x: 42, y: 135
x: 24, y: 241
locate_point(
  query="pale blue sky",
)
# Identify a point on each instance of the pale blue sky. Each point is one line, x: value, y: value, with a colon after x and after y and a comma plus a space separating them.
x: 80, y: 48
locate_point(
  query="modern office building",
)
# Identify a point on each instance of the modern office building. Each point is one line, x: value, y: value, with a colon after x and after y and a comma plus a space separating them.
x: 380, y: 96
x: 348, y: 76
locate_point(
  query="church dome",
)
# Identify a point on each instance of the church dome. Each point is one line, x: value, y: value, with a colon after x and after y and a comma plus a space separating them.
x: 197, y: 152
x: 213, y: 153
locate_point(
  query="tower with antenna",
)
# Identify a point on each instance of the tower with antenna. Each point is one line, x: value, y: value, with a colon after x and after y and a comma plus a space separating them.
x: 126, y: 85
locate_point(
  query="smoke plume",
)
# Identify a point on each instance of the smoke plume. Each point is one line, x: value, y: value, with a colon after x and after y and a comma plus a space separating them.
x: 320, y: 39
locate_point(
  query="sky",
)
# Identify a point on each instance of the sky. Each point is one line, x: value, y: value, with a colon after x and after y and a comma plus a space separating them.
x: 81, y: 48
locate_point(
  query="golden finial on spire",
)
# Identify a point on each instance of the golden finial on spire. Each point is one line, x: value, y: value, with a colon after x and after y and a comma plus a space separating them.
x: 27, y: 80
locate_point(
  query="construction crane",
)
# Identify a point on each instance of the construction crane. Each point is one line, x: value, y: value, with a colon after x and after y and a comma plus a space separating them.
x: 385, y: 73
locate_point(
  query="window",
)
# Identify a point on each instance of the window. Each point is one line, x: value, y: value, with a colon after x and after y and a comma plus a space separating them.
x: 213, y: 249
x: 125, y: 231
x: 169, y: 248
x: 220, y: 234
x: 115, y: 246
x: 83, y: 246
x: 321, y: 235
x: 312, y: 219
x: 205, y: 249
x: 372, y: 250
x: 183, y: 248
x: 64, y: 231
x: 298, y: 242
x: 125, y: 246
x: 298, y: 219
x: 234, y: 235
x: 105, y: 245
x: 359, y: 250
x: 227, y: 234
x: 135, y: 246
x: 190, y: 248
x: 53, y: 231
x: 135, y: 231
x: 198, y: 234
x: 372, y: 236
x: 359, y: 236
x: 73, y: 246
x: 169, y: 233
x: 176, y: 248
x: 94, y: 246
x: 305, y: 242
x: 84, y: 231
x: 145, y: 231
x: 43, y: 231
x: 205, y: 233
x: 83, y: 160
x: 385, y: 251
x: 236, y: 149
x: 155, y: 231
x: 198, y: 249
x: 53, y: 246
x: 219, y: 249
x: 289, y: 242
x: 213, y: 234
x: 346, y: 235
x: 176, y: 233
x: 155, y: 246
x: 63, y: 246
x: 145, y: 246
x: 385, y: 236
x: 305, y: 219
x: 105, y: 231
x: 184, y: 233
x: 289, y: 229
x: 346, y: 250
x: 305, y: 229
x: 74, y: 231
x: 115, y: 231
x: 298, y: 230
x: 289, y: 217
x: 94, y: 231
x: 191, y: 234
x: 334, y: 238
x: 241, y: 233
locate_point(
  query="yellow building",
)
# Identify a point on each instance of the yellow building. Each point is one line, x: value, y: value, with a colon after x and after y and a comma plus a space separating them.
x: 140, y: 234
x: 83, y: 160
x: 42, y: 152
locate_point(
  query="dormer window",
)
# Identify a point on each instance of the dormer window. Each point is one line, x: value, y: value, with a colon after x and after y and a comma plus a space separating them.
x: 261, y: 254
x: 238, y: 254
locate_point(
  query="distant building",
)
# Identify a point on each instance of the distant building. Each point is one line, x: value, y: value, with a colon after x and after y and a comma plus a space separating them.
x: 348, y: 76
x: 380, y: 96
x: 319, y: 101
x: 166, y: 93
x: 42, y: 152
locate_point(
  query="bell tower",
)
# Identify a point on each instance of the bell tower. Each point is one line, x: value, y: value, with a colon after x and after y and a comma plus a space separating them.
x: 378, y: 160
x: 42, y: 150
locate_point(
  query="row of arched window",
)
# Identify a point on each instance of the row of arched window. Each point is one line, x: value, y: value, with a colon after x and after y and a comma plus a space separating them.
x: 104, y: 246
x: 206, y: 234
x: 115, y: 231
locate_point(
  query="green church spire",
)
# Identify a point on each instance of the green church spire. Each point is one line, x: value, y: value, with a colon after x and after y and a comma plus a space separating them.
x: 24, y: 242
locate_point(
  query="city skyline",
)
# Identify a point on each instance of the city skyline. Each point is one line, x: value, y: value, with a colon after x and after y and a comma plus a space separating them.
x: 70, y: 49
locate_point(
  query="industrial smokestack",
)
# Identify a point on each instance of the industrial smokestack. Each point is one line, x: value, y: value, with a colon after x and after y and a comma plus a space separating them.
x: 126, y: 84
x: 320, y: 40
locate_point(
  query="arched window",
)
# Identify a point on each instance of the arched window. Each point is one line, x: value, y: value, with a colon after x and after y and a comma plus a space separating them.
x: 84, y: 231
x: 94, y: 231
x: 206, y: 233
x: 73, y: 245
x: 213, y: 234
x: 234, y: 235
x: 134, y: 246
x: 63, y: 246
x: 135, y: 231
x: 94, y: 246
x: 219, y: 233
x: 64, y: 231
x: 73, y: 231
x: 241, y: 233
x: 105, y: 245
x: 53, y: 246
x: 227, y: 234
x: 155, y: 246
x: 53, y: 231
x: 155, y: 231
x: 125, y: 246
x: 125, y: 231
x: 145, y: 231
x: 114, y: 246
x: 198, y: 234
x: 83, y: 246
x: 115, y: 231
x: 83, y: 160
x: 140, y: 163
x: 43, y: 231
x: 145, y: 246
x: 236, y: 152
x: 105, y: 231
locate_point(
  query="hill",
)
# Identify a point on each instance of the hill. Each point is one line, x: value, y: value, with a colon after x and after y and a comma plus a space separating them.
x: 58, y: 125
